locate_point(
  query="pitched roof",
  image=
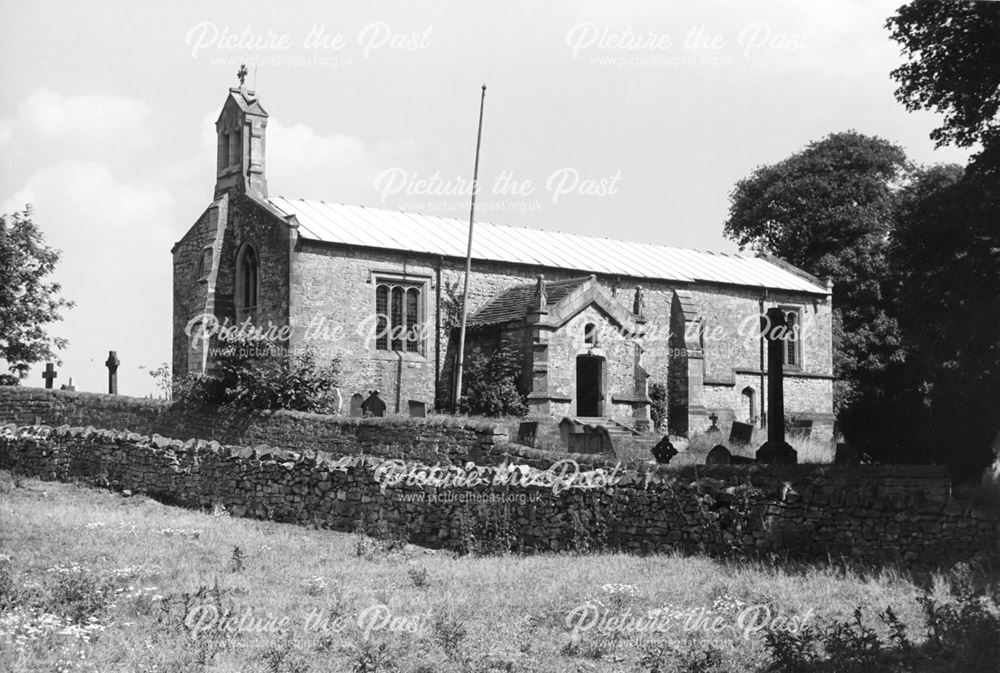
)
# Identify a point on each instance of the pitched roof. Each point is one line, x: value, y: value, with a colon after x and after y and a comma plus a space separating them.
x: 413, y: 232
x: 516, y: 302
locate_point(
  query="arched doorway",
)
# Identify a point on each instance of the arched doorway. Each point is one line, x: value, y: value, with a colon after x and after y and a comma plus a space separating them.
x: 589, y: 385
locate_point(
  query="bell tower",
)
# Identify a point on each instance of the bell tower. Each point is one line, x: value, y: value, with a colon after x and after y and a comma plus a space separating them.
x: 240, y: 130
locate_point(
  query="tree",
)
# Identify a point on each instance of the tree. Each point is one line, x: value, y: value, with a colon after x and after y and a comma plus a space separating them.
x: 945, y: 293
x: 828, y: 210
x: 953, y: 49
x: 28, y: 301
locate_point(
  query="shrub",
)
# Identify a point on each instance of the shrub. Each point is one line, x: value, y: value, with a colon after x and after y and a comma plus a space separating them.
x: 492, y: 534
x: 490, y: 381
x: 658, y: 404
x: 245, y: 381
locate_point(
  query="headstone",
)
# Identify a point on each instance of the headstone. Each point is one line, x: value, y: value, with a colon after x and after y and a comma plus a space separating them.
x: 68, y: 386
x: 49, y: 374
x: 714, y: 417
x: 663, y: 451
x: 373, y: 406
x: 112, y: 364
x: 775, y: 450
x: 800, y: 428
x: 719, y: 455
x: 741, y: 433
x: 583, y: 438
x: 417, y: 409
x: 527, y: 433
x: 356, y: 402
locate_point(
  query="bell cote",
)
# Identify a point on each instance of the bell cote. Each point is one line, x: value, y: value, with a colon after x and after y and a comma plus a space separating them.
x: 240, y: 132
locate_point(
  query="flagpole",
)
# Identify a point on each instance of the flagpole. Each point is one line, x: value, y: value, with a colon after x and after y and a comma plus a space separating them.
x: 468, y: 258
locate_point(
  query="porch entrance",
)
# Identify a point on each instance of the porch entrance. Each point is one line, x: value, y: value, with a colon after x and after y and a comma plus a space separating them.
x: 589, y: 385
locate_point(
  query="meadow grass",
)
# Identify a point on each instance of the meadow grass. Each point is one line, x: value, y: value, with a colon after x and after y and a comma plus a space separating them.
x: 92, y: 580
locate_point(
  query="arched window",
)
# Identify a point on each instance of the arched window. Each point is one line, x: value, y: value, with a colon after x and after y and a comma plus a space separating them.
x: 399, y: 312
x: 748, y: 405
x: 792, y: 355
x: 590, y: 334
x: 247, y: 281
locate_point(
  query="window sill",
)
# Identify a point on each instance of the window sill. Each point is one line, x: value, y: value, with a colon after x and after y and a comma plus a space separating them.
x: 395, y: 355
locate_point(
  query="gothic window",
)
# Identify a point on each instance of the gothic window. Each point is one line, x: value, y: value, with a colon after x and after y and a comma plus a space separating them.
x: 247, y: 283
x: 399, y: 314
x: 791, y: 352
x: 205, y: 262
x: 748, y: 405
x: 590, y: 334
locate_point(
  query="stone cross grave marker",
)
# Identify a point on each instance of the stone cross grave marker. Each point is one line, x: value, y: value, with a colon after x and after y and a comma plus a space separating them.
x: 49, y: 374
x: 112, y: 364
x: 68, y: 386
x: 775, y: 449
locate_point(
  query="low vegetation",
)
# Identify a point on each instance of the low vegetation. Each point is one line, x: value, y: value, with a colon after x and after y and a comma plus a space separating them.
x: 97, y: 581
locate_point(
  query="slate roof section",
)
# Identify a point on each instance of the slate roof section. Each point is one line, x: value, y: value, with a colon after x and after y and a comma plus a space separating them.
x: 412, y: 232
x: 516, y: 302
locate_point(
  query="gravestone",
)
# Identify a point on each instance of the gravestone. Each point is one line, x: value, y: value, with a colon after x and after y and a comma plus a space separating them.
x: 112, y: 364
x: 800, y: 428
x: 68, y: 386
x: 49, y: 374
x: 356, y: 402
x: 714, y: 417
x: 527, y: 433
x: 741, y: 433
x: 583, y: 438
x: 417, y: 409
x: 663, y: 451
x: 373, y: 406
x: 775, y: 450
x: 719, y: 455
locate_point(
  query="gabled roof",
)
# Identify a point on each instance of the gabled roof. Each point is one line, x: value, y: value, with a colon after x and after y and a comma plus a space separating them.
x: 515, y: 303
x: 412, y: 232
x: 246, y: 100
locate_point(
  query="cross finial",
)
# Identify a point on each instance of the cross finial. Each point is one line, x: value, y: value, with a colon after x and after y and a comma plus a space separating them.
x: 242, y: 73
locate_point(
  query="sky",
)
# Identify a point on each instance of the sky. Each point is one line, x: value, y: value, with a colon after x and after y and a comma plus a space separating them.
x: 631, y: 120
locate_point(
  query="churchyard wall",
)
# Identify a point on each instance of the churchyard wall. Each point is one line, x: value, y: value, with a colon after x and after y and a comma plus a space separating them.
x: 434, y: 439
x: 898, y: 515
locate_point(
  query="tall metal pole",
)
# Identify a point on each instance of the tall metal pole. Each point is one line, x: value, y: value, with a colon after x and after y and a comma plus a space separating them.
x: 468, y: 257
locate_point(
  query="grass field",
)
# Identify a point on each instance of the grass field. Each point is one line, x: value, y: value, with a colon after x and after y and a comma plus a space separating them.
x: 92, y: 580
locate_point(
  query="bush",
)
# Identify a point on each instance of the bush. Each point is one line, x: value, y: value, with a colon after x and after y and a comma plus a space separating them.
x: 490, y: 383
x: 243, y: 381
x: 658, y: 404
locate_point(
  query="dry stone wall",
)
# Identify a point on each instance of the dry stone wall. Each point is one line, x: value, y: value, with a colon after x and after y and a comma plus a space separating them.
x: 901, y: 514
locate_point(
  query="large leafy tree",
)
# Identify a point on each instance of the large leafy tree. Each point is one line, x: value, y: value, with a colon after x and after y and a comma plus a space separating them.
x: 29, y: 300
x: 953, y: 66
x: 828, y: 209
x: 945, y: 292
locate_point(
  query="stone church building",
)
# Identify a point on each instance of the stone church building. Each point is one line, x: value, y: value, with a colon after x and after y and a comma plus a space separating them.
x: 595, y: 321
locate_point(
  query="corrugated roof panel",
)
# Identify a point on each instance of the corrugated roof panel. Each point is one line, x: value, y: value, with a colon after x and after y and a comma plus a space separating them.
x: 387, y: 229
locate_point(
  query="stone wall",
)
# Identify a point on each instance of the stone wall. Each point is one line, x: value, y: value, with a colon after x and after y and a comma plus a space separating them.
x: 434, y: 439
x: 896, y: 515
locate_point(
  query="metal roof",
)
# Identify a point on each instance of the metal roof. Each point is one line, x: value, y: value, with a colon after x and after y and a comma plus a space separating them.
x: 413, y: 232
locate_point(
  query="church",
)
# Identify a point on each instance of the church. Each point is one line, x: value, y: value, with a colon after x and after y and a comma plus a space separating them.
x: 595, y: 322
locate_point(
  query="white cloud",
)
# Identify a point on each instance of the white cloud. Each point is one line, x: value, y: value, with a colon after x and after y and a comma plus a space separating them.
x: 88, y: 125
x: 115, y: 237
